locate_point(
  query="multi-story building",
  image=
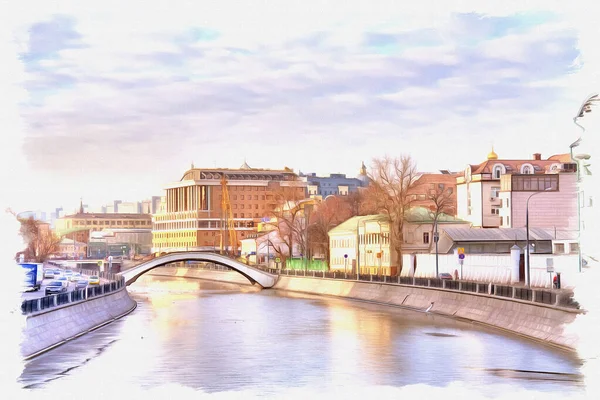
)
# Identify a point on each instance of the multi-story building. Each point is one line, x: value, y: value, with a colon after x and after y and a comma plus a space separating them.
x: 129, y: 207
x: 192, y: 217
x: 432, y: 187
x: 478, y: 190
x: 79, y: 226
x: 335, y: 184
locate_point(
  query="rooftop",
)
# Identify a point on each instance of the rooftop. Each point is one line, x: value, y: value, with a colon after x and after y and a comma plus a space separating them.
x: 506, y: 234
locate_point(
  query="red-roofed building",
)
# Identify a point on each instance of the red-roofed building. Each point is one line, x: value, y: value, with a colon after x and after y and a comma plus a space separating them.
x: 478, y: 190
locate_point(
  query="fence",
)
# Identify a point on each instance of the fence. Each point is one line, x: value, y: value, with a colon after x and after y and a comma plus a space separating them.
x: 56, y: 300
x: 562, y: 298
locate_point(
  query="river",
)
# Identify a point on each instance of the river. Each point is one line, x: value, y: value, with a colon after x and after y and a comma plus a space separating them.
x: 214, y: 337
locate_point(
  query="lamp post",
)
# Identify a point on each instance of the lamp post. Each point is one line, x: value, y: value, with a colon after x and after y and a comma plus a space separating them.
x: 528, y: 270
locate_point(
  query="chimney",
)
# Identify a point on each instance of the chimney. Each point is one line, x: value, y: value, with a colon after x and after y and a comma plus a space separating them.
x: 537, y: 156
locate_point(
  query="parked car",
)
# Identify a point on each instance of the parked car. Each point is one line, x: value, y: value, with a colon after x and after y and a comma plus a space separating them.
x: 55, y: 287
x: 49, y: 274
x: 94, y: 280
x: 445, y: 275
x: 81, y: 284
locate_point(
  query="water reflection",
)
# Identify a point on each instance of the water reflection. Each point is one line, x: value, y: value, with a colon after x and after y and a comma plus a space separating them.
x: 218, y: 337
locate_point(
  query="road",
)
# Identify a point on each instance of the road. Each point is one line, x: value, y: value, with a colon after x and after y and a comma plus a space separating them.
x: 42, y: 292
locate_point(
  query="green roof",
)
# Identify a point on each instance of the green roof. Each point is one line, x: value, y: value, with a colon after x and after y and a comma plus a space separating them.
x: 350, y: 224
x: 425, y: 216
x: 415, y: 215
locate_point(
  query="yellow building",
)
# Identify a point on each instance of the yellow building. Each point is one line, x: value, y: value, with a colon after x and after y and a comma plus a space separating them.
x: 191, y: 215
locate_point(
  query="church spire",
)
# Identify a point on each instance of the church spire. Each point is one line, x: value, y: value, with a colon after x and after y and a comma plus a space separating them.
x: 81, y: 205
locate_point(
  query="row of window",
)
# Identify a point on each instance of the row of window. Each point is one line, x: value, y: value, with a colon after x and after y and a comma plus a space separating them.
x: 111, y: 223
x: 374, y: 238
x: 200, y: 224
x: 342, y: 243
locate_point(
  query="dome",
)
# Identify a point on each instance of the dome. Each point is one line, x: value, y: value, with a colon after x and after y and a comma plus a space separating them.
x: 492, y: 155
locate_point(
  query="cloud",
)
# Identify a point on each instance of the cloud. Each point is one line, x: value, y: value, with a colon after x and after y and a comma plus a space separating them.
x: 178, y: 87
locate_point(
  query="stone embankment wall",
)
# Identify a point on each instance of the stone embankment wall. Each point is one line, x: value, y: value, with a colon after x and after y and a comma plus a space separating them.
x: 535, y: 321
x: 50, y: 328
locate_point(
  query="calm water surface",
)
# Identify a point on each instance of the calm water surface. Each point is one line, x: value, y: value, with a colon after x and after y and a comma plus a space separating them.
x: 223, y: 337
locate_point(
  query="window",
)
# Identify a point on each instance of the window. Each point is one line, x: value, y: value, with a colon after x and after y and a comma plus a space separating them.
x: 574, y: 248
x: 234, y: 197
x: 497, y: 171
x: 421, y: 197
x: 527, y: 169
x: 507, y: 203
x: 495, y: 191
x: 242, y: 197
x: 425, y: 237
x: 242, y: 215
x: 432, y: 186
x: 441, y: 186
x: 559, y: 248
x: 508, y: 221
x: 495, y: 211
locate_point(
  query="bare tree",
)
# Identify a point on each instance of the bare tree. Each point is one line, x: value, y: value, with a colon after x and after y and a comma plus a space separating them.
x: 360, y: 202
x: 287, y: 219
x: 330, y: 213
x: 391, y: 181
x: 442, y: 203
x: 40, y: 241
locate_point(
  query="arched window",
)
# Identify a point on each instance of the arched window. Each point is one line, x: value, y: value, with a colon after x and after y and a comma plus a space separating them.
x: 527, y: 169
x: 498, y: 170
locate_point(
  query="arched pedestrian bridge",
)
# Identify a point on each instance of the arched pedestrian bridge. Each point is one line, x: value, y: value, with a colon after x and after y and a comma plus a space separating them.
x: 254, y: 275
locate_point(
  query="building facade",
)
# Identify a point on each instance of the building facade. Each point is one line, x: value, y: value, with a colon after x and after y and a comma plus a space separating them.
x: 555, y: 208
x: 335, y: 184
x: 429, y: 187
x: 79, y: 226
x: 478, y: 189
x: 191, y: 216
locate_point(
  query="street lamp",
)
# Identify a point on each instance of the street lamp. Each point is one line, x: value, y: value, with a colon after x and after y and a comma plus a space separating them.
x: 436, y: 238
x: 528, y: 280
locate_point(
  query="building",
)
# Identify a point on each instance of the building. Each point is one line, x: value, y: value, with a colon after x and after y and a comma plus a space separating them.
x: 335, y: 184
x: 191, y: 215
x: 79, y: 226
x: 555, y: 207
x: 432, y: 188
x: 71, y: 249
x: 151, y: 205
x: 478, y: 189
x: 127, y: 242
x: 419, y: 229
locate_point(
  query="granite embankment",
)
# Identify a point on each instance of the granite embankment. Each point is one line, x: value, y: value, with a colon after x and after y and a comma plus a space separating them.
x: 50, y: 328
x: 535, y: 321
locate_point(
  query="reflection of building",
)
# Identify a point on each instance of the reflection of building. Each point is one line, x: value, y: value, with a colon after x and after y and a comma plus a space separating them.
x: 335, y: 184
x: 191, y: 215
x: 478, y: 190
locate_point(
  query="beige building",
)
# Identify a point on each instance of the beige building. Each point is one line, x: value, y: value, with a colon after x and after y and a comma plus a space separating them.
x: 191, y: 216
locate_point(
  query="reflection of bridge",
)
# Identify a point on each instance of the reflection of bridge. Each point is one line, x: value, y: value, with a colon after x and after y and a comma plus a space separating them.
x: 254, y: 275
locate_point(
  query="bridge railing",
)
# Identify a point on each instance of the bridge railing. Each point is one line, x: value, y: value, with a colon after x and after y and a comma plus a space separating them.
x: 559, y: 298
x: 115, y: 282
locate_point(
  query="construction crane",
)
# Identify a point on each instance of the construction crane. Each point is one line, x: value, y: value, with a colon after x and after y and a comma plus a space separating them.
x: 227, y: 225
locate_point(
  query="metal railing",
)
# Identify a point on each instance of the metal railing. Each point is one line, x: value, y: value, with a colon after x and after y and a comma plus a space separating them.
x: 559, y: 298
x: 116, y: 282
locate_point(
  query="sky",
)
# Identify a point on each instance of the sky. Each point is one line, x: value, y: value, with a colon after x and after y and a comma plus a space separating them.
x: 118, y: 100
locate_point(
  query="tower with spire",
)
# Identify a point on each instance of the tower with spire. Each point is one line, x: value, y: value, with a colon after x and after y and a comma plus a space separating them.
x: 81, y: 205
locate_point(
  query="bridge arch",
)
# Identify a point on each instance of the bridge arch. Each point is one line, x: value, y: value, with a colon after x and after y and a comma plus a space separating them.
x: 254, y: 275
